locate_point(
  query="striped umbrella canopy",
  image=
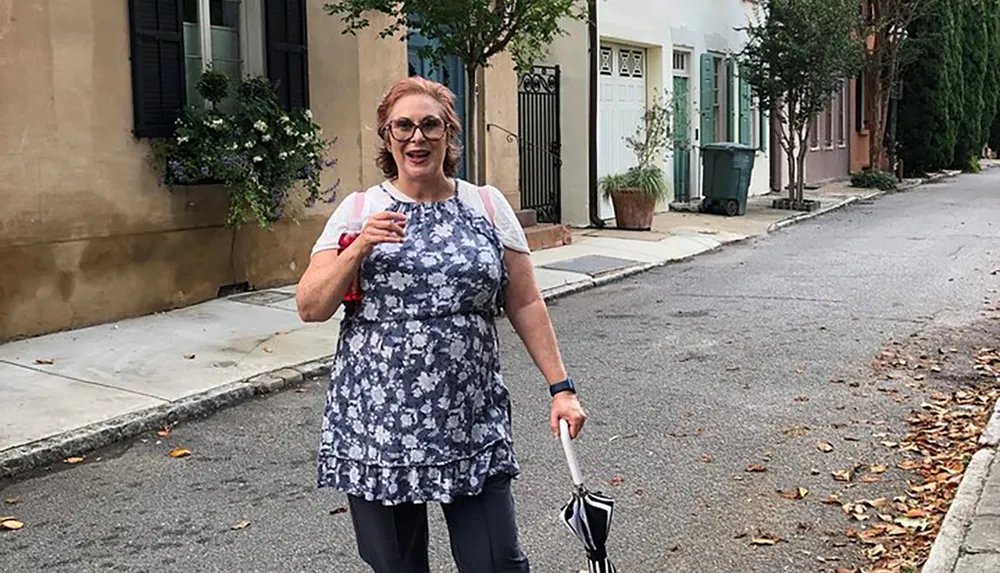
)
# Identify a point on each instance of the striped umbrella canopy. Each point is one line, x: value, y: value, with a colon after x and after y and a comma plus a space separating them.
x: 587, y: 513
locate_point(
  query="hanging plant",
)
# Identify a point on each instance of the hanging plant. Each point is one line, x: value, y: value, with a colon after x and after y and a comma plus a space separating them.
x: 251, y: 145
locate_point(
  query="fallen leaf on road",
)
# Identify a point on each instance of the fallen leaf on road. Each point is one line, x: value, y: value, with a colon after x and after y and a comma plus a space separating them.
x: 756, y: 468
x: 180, y: 452
x: 164, y: 432
x: 338, y: 510
x: 824, y: 447
x: 43, y: 361
x: 912, y: 523
x: 707, y: 458
x: 301, y: 390
x: 797, y: 493
x: 11, y: 500
x: 74, y: 460
x: 765, y: 540
x: 189, y: 356
x: 832, y: 499
x: 616, y: 481
x: 802, y: 398
x: 268, y: 350
x: 241, y: 524
x: 842, y: 475
x: 878, y: 469
x: 868, y: 478
x: 10, y: 524
x: 796, y: 431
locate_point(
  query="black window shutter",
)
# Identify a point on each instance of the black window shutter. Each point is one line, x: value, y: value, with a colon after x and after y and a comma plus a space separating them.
x: 157, y: 54
x: 287, y: 56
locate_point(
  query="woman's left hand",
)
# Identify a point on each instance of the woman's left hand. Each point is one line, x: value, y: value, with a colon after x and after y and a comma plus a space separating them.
x: 566, y: 406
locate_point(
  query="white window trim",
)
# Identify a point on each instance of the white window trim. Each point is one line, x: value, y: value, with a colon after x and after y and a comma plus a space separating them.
x: 845, y: 119
x: 251, y: 36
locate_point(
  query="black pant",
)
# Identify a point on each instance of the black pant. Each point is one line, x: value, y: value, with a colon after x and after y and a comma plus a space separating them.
x: 482, y: 528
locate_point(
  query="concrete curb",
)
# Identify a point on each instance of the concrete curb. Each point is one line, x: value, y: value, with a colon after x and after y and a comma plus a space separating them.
x: 946, y: 549
x: 56, y: 448
x: 93, y: 436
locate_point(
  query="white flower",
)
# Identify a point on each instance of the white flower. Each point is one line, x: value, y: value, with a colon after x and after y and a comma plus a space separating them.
x: 234, y: 146
x: 260, y: 126
x: 283, y: 155
x: 257, y: 158
x: 182, y: 139
x: 289, y: 130
x: 248, y: 144
x: 266, y: 137
x: 283, y: 119
x: 309, y: 114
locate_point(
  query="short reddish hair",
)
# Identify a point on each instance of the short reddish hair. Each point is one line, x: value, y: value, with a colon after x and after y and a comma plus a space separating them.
x: 441, y: 94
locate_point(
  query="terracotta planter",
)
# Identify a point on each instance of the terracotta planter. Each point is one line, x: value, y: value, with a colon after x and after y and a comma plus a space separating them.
x: 633, y: 210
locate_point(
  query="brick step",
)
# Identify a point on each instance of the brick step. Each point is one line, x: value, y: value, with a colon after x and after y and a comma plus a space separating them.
x: 543, y: 236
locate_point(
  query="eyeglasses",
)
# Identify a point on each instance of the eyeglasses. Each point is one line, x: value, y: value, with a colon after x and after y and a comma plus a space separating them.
x: 403, y: 129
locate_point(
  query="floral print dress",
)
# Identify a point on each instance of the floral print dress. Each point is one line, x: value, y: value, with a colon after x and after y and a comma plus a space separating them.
x: 417, y: 410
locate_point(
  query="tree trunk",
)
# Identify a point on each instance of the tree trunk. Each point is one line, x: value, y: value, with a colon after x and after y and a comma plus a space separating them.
x: 792, y: 172
x: 800, y: 187
x: 472, y: 124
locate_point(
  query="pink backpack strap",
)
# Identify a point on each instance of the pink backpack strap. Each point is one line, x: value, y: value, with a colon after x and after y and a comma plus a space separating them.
x: 484, y: 194
x: 359, y: 204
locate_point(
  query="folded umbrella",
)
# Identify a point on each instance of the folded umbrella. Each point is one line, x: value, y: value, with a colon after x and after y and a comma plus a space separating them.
x: 587, y: 514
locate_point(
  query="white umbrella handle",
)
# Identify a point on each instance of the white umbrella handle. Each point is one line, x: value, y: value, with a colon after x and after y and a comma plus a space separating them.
x: 574, y: 468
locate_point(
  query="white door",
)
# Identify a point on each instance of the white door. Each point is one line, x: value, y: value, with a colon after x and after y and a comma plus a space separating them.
x: 622, y: 101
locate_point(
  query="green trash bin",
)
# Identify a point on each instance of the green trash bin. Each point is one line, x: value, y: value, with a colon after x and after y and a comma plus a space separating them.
x: 726, y: 178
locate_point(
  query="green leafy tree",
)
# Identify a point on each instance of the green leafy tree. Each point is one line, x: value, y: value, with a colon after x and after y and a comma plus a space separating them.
x: 991, y: 82
x: 969, y: 145
x: 474, y: 31
x: 790, y: 76
x: 925, y: 123
x: 888, y: 22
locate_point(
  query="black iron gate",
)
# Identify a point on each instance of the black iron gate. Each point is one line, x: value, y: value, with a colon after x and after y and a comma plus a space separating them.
x: 539, y: 142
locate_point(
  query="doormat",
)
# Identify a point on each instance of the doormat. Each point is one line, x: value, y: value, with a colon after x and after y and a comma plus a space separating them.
x: 262, y: 298
x: 593, y: 265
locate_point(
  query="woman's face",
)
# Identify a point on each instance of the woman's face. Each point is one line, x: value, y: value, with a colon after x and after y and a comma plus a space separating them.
x: 417, y: 136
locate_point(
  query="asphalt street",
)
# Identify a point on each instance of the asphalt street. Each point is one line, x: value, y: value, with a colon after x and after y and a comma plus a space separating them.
x: 689, y: 373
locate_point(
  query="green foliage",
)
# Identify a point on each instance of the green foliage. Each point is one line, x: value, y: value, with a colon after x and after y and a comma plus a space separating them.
x: 652, y: 138
x: 991, y: 81
x: 472, y: 30
x: 974, y: 59
x: 214, y: 87
x: 649, y: 181
x: 258, y: 150
x: 785, y: 69
x: 874, y: 179
x: 926, y: 128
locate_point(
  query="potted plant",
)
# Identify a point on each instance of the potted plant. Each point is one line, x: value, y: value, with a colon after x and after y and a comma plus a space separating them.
x: 249, y: 144
x: 635, y: 193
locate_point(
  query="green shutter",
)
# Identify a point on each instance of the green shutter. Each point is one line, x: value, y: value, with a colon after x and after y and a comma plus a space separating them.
x: 730, y: 90
x: 707, y: 95
x: 746, y: 121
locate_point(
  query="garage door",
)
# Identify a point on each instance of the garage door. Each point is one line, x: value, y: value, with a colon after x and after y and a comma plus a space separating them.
x: 622, y: 95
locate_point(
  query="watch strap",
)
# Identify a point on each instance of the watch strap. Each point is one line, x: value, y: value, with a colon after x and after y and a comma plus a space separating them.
x: 565, y: 385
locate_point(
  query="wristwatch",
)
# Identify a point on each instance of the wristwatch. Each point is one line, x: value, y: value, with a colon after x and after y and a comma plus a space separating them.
x: 564, y: 386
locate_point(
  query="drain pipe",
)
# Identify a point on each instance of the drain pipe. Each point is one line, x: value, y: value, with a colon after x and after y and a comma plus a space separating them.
x: 595, y: 48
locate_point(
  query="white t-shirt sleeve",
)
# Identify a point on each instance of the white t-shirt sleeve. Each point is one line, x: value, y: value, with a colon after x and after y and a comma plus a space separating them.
x: 342, y: 220
x: 508, y: 227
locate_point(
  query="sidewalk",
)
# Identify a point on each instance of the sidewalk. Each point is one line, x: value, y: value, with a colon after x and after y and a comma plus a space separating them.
x: 68, y: 393
x: 969, y: 540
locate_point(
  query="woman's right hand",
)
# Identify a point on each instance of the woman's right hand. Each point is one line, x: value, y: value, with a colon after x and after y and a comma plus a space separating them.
x: 382, y: 227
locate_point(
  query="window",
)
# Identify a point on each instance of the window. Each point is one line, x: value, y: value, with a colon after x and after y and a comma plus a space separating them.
x: 173, y: 41
x: 605, y: 61
x: 840, y: 115
x: 681, y: 62
x: 720, y: 100
x: 234, y: 44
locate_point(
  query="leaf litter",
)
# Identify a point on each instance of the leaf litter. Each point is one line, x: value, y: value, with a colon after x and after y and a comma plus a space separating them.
x: 897, y: 534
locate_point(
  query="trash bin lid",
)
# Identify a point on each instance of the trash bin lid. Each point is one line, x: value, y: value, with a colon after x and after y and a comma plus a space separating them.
x: 727, y: 146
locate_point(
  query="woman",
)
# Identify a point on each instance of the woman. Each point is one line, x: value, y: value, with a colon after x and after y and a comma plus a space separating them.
x: 417, y: 410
